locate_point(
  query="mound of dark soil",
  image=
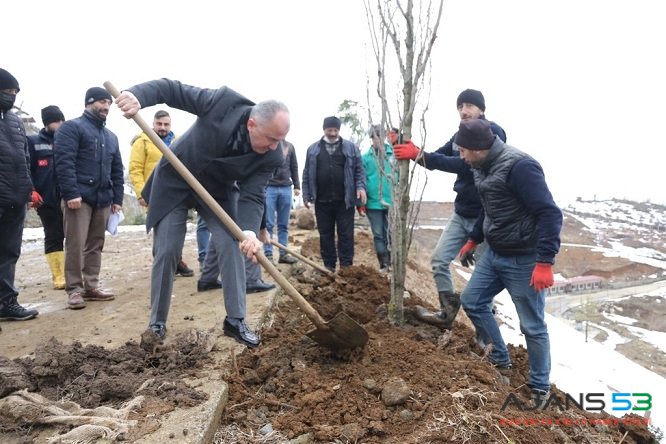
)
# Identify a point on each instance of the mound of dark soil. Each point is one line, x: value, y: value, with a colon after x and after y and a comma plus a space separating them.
x: 413, y: 383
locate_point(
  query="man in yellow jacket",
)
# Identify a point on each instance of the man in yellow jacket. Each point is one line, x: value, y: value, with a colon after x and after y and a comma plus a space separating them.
x: 144, y: 158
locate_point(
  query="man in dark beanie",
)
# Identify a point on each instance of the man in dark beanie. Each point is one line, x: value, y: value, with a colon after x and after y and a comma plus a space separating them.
x: 89, y: 172
x: 521, y: 226
x: 334, y: 180
x: 15, y: 193
x: 467, y: 206
x: 42, y: 170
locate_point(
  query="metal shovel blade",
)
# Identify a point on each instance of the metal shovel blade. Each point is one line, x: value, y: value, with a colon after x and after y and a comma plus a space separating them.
x: 342, y: 333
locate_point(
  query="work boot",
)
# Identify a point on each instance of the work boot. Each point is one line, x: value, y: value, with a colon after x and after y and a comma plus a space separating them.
x: 56, y: 261
x: 75, y: 300
x: 183, y: 270
x: 450, y: 304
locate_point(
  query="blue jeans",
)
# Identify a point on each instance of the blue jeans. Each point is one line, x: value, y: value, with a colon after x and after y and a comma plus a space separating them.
x: 454, y: 236
x: 278, y: 208
x: 203, y: 237
x: 492, y: 274
x: 379, y: 225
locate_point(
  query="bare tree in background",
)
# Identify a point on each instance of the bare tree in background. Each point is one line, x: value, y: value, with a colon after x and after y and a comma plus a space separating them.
x: 402, y: 33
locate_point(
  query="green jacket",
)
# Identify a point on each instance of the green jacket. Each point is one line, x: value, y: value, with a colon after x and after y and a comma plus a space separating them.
x: 374, y: 173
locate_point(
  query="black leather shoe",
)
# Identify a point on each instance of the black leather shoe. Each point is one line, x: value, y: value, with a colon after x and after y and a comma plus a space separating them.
x: 238, y: 329
x: 286, y: 259
x: 183, y: 270
x: 258, y: 286
x: 208, y: 285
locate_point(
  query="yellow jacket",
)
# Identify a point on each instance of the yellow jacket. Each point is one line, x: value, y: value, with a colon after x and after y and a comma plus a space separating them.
x: 143, y: 159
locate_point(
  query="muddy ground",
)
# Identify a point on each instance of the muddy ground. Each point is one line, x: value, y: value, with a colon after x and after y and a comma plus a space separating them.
x: 409, y: 384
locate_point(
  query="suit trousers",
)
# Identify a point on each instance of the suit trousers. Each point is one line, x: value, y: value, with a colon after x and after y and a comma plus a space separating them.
x: 84, y: 242
x: 168, y: 240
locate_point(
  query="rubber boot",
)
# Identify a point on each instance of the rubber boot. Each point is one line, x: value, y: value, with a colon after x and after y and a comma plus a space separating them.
x: 56, y: 261
x: 450, y: 304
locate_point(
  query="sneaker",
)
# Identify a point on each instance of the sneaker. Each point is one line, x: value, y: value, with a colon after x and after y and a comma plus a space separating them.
x: 75, y: 300
x: 14, y: 312
x: 97, y: 294
x: 159, y: 330
x: 286, y: 259
x: 539, y: 398
x: 183, y: 270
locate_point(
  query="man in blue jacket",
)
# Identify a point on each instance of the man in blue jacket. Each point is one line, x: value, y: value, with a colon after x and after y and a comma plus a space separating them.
x: 521, y: 226
x: 471, y: 105
x: 232, y: 151
x: 89, y: 171
x: 334, y: 180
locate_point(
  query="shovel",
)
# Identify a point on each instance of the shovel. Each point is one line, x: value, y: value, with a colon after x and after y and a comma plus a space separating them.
x: 302, y: 258
x: 340, y: 333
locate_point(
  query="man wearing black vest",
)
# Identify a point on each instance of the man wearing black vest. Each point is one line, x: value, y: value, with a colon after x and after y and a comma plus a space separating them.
x: 521, y: 225
x: 334, y: 180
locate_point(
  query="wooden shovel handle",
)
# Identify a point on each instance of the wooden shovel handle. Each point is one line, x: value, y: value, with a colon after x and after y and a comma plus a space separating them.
x: 304, y: 259
x: 228, y: 222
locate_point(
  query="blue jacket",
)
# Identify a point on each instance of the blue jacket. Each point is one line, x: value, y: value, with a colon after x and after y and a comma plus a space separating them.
x: 88, y: 163
x: 467, y: 203
x: 354, y: 173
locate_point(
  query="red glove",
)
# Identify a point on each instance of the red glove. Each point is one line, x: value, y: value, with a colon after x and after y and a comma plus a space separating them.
x: 542, y: 276
x: 361, y: 210
x: 36, y: 199
x: 466, y: 254
x: 406, y: 151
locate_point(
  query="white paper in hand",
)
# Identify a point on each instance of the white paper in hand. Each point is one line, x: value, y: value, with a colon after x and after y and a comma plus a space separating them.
x: 114, y: 220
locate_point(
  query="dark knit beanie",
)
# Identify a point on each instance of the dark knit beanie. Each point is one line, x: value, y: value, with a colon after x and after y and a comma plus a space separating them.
x: 8, y: 81
x: 96, y: 93
x: 52, y: 114
x: 472, y: 96
x: 474, y: 134
x: 332, y: 122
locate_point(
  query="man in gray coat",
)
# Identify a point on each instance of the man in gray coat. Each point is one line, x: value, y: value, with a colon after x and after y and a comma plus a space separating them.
x: 232, y: 150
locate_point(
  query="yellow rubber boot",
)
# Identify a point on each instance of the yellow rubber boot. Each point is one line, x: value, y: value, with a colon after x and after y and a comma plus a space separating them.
x: 56, y: 261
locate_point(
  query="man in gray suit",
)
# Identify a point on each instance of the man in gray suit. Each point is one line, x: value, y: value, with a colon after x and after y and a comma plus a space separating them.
x: 232, y: 150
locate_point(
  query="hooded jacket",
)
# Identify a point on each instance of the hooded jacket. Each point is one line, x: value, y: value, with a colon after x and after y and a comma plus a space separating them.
x: 143, y: 159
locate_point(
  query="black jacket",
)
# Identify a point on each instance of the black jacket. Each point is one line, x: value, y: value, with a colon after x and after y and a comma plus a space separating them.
x: 15, y: 183
x: 42, y: 169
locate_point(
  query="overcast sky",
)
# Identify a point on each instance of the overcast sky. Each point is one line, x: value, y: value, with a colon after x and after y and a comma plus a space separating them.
x: 578, y: 84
